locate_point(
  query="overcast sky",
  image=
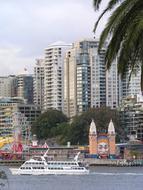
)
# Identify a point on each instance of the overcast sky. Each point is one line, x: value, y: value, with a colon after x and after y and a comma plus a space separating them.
x: 27, y: 27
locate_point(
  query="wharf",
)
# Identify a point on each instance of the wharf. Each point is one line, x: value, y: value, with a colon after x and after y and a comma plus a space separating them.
x: 89, y: 162
x: 115, y: 162
x: 11, y: 162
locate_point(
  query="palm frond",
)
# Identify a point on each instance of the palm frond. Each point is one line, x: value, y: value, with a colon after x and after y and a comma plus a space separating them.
x: 125, y: 31
x: 109, y: 7
x: 96, y: 4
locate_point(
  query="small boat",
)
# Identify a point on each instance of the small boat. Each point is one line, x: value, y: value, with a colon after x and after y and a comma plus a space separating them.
x: 42, y: 167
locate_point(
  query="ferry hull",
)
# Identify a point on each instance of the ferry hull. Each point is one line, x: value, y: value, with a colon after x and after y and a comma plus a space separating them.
x: 15, y: 171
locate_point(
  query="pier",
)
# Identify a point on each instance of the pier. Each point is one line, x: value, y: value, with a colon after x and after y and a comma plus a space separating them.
x: 90, y: 162
x: 116, y: 162
x: 11, y: 162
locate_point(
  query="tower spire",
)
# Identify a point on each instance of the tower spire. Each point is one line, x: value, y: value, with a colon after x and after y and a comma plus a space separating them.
x: 111, y: 128
x: 111, y: 137
x: 92, y: 129
x: 93, y: 140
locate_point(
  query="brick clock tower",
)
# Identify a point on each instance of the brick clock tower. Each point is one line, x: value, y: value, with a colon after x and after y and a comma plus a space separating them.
x: 102, y: 145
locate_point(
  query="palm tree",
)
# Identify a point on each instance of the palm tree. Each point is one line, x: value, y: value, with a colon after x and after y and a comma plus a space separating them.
x: 124, y: 28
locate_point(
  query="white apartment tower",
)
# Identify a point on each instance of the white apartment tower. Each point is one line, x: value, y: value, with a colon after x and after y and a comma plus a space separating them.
x: 53, y: 81
x: 38, y: 83
x: 104, y: 83
x: 98, y: 75
x: 130, y: 84
x: 112, y: 86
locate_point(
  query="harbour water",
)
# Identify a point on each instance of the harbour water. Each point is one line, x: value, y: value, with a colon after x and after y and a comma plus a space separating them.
x: 100, y: 178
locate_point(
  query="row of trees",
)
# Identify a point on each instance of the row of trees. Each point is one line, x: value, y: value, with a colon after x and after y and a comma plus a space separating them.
x: 54, y: 124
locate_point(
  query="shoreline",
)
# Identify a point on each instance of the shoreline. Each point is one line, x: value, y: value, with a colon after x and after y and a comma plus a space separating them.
x: 88, y: 162
x: 115, y: 162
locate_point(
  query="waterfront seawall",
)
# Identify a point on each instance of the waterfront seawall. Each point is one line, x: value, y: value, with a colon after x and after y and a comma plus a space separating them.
x: 89, y: 162
x: 16, y: 163
x: 116, y: 162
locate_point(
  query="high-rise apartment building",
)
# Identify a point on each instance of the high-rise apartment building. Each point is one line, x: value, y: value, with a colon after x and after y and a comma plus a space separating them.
x: 104, y: 83
x: 25, y: 86
x: 98, y: 75
x: 38, y: 83
x: 130, y: 84
x: 85, y: 79
x: 11, y: 106
x: 53, y: 75
x: 77, y: 89
x: 131, y: 116
x: 8, y: 86
x: 112, y: 86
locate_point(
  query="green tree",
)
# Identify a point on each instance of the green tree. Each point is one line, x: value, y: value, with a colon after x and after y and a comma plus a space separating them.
x: 125, y: 31
x: 62, y: 133
x: 79, y: 128
x: 45, y: 126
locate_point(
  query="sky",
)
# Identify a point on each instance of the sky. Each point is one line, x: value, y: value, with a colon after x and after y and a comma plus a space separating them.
x: 27, y: 27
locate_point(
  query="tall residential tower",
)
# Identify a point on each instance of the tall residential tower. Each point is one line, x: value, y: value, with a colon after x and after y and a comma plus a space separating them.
x: 38, y: 83
x: 85, y: 78
x: 53, y: 75
x: 25, y: 86
x: 77, y: 79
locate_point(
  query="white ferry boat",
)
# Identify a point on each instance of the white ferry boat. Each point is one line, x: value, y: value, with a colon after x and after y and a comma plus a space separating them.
x: 43, y: 167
